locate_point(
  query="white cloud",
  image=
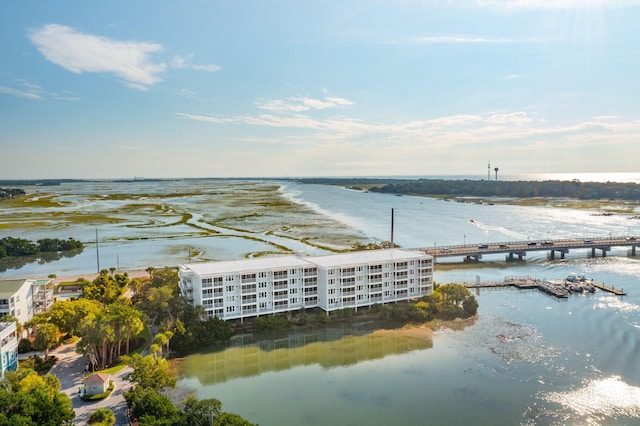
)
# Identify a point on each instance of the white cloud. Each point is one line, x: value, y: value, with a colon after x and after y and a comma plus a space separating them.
x: 27, y: 93
x: 180, y: 62
x: 79, y: 53
x: 301, y: 104
x: 208, y: 67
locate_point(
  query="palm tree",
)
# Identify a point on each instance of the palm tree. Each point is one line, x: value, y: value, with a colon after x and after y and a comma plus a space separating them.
x: 150, y: 270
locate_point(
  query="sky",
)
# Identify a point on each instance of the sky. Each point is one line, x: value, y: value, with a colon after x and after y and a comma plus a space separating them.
x: 286, y: 88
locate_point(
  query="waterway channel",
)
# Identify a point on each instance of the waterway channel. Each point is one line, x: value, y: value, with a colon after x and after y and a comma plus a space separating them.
x: 527, y: 359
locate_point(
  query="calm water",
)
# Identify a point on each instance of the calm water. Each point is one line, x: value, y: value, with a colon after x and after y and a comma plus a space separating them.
x: 528, y: 359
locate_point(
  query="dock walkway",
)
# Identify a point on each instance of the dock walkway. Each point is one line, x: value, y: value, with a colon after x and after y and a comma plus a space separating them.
x: 557, y: 288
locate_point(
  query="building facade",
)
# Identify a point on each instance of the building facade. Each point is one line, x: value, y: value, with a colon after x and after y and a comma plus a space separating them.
x: 253, y: 287
x: 8, y: 347
x: 24, y: 298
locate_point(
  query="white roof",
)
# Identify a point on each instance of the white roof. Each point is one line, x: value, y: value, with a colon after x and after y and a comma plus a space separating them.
x: 365, y: 257
x: 246, y: 265
x: 224, y: 267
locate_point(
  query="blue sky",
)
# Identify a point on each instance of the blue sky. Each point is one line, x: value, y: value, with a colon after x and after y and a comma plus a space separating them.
x: 117, y: 89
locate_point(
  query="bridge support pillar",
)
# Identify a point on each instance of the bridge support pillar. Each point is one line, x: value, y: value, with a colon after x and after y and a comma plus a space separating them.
x: 511, y: 256
x: 473, y: 258
x: 603, y: 249
x: 633, y: 250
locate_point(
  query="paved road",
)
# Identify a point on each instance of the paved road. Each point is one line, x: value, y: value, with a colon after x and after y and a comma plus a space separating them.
x: 69, y: 369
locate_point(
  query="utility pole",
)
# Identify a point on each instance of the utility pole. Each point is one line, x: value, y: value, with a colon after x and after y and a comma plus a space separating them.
x: 97, y: 251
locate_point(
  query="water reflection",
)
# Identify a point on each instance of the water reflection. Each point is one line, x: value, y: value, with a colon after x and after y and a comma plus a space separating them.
x: 328, y: 348
x: 600, y: 400
x: 41, y: 259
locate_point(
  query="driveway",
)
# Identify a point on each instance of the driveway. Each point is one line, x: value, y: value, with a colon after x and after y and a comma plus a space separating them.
x: 69, y: 369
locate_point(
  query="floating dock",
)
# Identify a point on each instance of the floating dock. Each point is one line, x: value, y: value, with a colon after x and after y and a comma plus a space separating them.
x: 558, y: 288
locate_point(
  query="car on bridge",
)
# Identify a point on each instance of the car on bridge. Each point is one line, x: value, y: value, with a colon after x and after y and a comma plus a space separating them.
x: 483, y: 246
x: 532, y: 243
x: 547, y: 243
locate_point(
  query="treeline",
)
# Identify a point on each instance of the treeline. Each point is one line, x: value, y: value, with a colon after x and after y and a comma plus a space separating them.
x: 6, y: 193
x: 15, y: 247
x: 447, y: 302
x: 485, y: 188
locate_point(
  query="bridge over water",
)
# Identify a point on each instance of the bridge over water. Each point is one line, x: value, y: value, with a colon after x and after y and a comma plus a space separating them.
x: 517, y: 250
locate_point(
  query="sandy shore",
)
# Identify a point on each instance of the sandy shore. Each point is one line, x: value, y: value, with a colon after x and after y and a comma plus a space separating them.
x: 416, y: 332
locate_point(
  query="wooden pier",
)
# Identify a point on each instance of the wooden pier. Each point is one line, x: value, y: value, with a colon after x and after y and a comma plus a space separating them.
x: 616, y: 291
x: 557, y: 288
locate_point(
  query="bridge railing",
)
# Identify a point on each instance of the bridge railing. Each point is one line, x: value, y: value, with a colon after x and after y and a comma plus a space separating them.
x: 587, y: 242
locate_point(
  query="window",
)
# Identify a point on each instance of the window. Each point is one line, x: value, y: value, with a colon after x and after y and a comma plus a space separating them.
x: 280, y: 275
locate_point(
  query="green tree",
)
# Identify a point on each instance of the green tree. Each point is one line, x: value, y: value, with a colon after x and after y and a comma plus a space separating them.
x: 106, y: 288
x: 160, y: 303
x: 46, y: 337
x: 150, y: 407
x: 150, y: 372
x: 201, y: 412
x: 69, y: 314
x: 102, y: 417
x: 232, y: 419
x: 104, y: 332
x: 35, y: 400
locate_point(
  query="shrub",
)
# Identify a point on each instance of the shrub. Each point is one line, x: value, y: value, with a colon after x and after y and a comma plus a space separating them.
x: 24, y: 346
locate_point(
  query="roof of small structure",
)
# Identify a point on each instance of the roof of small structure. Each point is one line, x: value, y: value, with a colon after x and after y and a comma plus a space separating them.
x: 97, y: 378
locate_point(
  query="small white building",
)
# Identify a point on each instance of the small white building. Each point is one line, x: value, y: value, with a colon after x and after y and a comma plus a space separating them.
x: 251, y: 287
x: 96, y: 383
x: 8, y: 347
x: 24, y: 298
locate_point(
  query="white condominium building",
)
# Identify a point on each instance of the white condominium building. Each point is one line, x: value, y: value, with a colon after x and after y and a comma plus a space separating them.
x: 8, y: 347
x: 252, y: 287
x: 24, y: 298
